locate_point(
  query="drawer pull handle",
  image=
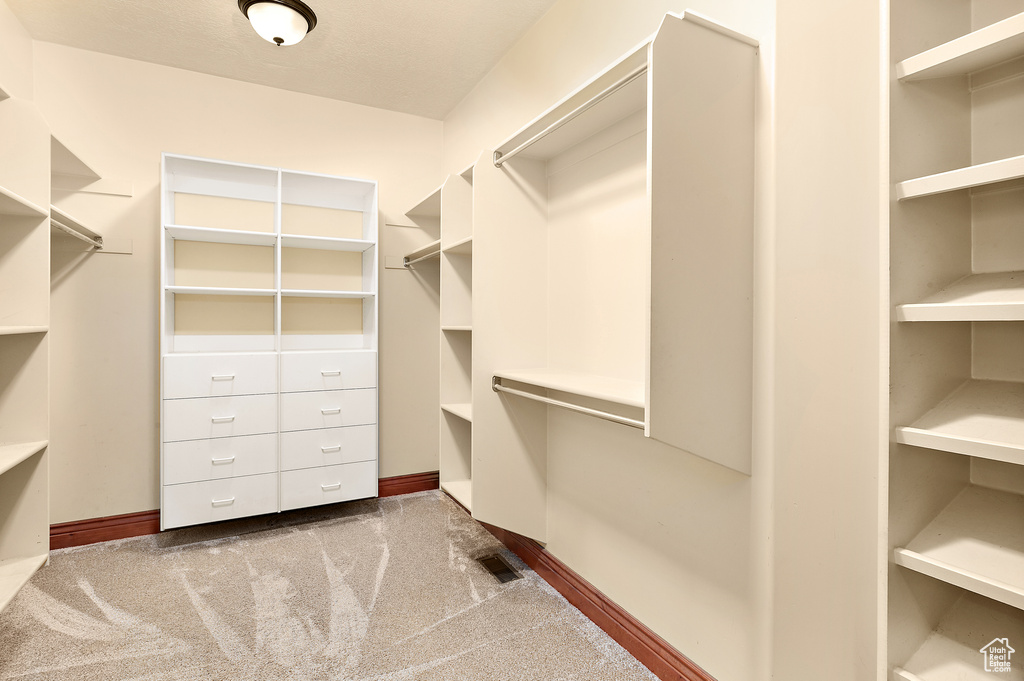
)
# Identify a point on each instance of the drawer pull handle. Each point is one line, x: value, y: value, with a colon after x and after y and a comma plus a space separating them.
x: 222, y: 419
x: 336, y: 372
x: 223, y: 377
x: 332, y: 448
x: 226, y: 459
x: 332, y: 410
x: 223, y: 502
x: 331, y: 487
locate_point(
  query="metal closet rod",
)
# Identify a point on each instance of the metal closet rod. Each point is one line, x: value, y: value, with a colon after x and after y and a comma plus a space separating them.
x: 497, y: 387
x: 96, y: 243
x: 432, y: 254
x: 639, y: 71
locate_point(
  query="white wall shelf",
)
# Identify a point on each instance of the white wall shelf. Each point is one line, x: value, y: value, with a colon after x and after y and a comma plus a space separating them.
x: 18, y: 330
x: 447, y: 329
x: 219, y: 291
x: 63, y: 161
x: 221, y: 236
x: 962, y: 178
x: 994, y: 44
x: 983, y: 419
x: 326, y: 243
x: 618, y: 391
x: 15, y: 573
x: 12, y: 455
x: 15, y: 205
x: 464, y: 410
x: 975, y: 543
x: 317, y: 293
x: 461, y: 247
x: 993, y: 296
x: 460, y: 490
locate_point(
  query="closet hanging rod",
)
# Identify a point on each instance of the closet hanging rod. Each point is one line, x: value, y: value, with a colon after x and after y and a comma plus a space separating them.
x: 96, y: 243
x: 639, y: 71
x: 497, y: 387
x: 432, y: 254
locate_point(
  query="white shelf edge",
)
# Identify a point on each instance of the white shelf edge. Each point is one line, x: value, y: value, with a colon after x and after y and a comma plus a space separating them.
x: 429, y: 250
x: 461, y: 491
x: 626, y: 393
x: 223, y: 236
x: 13, y: 204
x: 74, y: 223
x: 464, y: 410
x: 460, y: 247
x: 965, y: 579
x: 977, y: 50
x: 19, y: 330
x: 962, y: 178
x: 15, y: 574
x: 978, y: 448
x: 426, y: 207
x: 315, y: 293
x: 900, y: 674
x: 12, y: 455
x: 326, y: 243
x: 457, y: 328
x: 993, y: 296
x: 216, y: 291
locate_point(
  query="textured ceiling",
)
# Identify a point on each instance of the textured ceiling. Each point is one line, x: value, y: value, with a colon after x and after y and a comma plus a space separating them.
x: 415, y: 56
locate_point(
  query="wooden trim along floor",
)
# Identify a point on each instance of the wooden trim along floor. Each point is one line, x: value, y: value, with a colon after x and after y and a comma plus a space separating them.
x: 664, y: 661
x: 82, y: 532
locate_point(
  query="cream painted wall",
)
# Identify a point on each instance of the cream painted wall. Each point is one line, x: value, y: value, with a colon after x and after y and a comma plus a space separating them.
x: 775, y: 576
x: 119, y: 115
x: 15, y: 55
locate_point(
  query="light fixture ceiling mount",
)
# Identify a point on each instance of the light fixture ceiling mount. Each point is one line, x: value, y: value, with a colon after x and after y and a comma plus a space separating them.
x: 282, y: 22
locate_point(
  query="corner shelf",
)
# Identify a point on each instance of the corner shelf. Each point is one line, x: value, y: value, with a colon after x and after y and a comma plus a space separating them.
x: 994, y: 44
x: 220, y: 236
x: 462, y: 410
x: 13, y: 204
x: 15, y: 573
x: 975, y: 543
x: 962, y: 178
x: 618, y: 391
x: 429, y: 206
x: 12, y: 455
x: 983, y: 419
x: 995, y: 296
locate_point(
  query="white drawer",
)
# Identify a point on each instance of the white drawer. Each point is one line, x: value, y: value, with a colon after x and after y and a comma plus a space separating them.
x: 328, y: 409
x: 216, y: 375
x: 328, y: 446
x: 222, y: 457
x: 327, y: 485
x: 328, y: 370
x: 213, y: 500
x: 199, y: 418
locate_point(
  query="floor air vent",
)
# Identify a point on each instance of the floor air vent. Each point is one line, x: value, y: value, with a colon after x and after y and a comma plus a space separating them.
x: 501, y: 570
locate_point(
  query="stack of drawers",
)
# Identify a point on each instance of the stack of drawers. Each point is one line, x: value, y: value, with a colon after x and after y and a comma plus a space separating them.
x: 239, y: 442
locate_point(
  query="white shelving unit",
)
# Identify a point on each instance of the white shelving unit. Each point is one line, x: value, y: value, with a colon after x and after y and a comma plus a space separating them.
x: 956, y: 579
x: 269, y: 340
x: 24, y: 344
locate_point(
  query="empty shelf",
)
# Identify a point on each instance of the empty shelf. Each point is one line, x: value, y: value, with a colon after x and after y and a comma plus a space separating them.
x: 953, y: 651
x: 324, y: 243
x: 619, y: 391
x: 456, y: 328
x: 314, y: 293
x: 464, y: 410
x: 12, y: 455
x: 12, y: 204
x: 996, y: 296
x: 985, y: 47
x: 461, y: 247
x: 429, y: 206
x: 15, y: 573
x: 461, y: 491
x: 17, y: 330
x: 431, y: 250
x: 975, y: 543
x: 980, y: 418
x: 962, y: 178
x: 217, y: 291
x: 220, y: 236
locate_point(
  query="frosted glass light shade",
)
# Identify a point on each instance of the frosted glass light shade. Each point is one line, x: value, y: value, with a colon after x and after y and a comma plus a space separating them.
x: 278, y: 22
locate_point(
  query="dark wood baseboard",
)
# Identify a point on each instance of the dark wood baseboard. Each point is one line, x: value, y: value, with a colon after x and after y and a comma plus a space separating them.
x: 407, y: 484
x: 664, y: 661
x: 82, y: 532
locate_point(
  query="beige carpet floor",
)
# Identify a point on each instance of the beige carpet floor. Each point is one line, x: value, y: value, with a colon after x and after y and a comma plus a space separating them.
x: 378, y: 590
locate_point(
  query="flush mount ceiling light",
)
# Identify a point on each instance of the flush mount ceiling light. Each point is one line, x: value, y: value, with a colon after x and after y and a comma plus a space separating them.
x: 282, y: 22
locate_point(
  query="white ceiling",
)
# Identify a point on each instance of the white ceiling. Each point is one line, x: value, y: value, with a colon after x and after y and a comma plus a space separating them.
x: 415, y: 56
